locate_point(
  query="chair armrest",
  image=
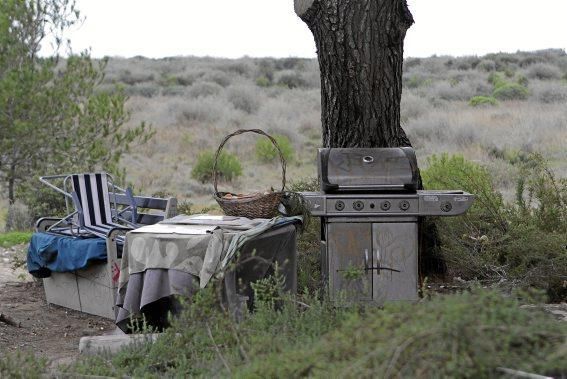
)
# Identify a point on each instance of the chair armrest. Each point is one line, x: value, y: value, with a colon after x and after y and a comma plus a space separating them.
x: 116, y: 232
x: 44, y: 223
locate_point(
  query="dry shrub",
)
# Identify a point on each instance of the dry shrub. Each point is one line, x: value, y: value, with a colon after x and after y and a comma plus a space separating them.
x: 245, y: 99
x: 148, y: 90
x: 460, y: 91
x: 544, y: 71
x: 521, y: 244
x: 218, y: 77
x: 413, y: 106
x: 292, y: 79
x: 549, y: 92
x: 487, y: 65
x: 204, y: 89
x: 200, y: 110
x: 435, y: 125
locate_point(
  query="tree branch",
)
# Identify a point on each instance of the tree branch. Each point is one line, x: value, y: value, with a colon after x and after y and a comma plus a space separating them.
x: 7, y: 320
x: 407, y: 17
x: 302, y: 6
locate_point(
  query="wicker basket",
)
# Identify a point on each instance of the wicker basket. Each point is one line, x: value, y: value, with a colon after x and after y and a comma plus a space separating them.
x: 261, y: 206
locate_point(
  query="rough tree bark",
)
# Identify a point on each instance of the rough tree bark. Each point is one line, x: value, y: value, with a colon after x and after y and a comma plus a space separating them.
x: 360, y: 50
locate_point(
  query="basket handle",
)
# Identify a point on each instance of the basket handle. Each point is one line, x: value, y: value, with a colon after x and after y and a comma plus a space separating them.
x: 242, y: 131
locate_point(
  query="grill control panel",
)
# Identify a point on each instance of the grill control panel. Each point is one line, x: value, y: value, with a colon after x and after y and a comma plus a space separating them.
x: 362, y: 205
x: 422, y: 203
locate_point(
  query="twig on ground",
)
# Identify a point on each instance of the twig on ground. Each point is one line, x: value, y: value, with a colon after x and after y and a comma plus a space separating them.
x: 7, y: 320
x: 217, y: 349
x: 521, y: 374
x: 241, y: 349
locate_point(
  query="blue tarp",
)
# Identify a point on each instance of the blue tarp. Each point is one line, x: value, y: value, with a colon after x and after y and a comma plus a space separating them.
x: 49, y: 252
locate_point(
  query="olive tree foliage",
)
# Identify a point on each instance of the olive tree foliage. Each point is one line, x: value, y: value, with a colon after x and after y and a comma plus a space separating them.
x: 54, y: 118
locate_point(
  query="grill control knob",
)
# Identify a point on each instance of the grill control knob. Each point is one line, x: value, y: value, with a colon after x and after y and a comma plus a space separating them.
x: 339, y: 205
x: 358, y: 205
x: 446, y: 206
x: 404, y: 205
x: 385, y: 205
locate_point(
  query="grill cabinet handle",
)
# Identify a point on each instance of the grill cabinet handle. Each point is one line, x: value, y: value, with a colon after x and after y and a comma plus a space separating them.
x: 378, y: 266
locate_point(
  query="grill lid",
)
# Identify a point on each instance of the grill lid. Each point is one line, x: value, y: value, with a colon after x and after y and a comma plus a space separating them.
x: 367, y: 169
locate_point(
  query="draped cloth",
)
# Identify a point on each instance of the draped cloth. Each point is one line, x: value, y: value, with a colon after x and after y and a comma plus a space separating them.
x: 181, y: 255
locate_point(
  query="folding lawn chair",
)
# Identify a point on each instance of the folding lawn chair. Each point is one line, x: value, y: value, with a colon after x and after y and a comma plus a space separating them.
x: 96, y: 207
x: 94, y: 211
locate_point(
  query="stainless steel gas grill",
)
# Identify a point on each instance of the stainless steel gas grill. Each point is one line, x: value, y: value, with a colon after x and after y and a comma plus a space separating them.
x: 369, y: 205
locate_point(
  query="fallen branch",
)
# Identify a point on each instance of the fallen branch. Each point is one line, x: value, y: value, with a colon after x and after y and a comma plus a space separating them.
x: 521, y: 374
x: 7, y: 320
x: 218, y: 350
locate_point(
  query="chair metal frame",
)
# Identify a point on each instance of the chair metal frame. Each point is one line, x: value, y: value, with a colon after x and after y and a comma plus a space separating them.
x: 74, y: 220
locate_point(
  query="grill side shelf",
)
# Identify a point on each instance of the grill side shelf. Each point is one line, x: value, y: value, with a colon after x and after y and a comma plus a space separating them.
x: 444, y: 203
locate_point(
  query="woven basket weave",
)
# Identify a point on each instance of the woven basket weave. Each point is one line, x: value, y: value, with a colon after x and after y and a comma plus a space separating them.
x: 261, y: 206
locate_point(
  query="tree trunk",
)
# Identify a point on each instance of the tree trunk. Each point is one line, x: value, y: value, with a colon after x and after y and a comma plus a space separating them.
x: 11, y: 200
x: 360, y: 49
x: 12, y: 184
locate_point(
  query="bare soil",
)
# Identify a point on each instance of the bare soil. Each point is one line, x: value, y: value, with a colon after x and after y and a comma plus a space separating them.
x: 46, y: 330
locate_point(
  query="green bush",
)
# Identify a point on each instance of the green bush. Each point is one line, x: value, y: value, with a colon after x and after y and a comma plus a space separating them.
x: 185, y: 207
x: 482, y: 101
x: 468, y: 335
x: 228, y: 167
x: 464, y: 336
x: 262, y: 81
x: 511, y: 91
x: 308, y: 243
x: 496, y: 80
x: 42, y: 201
x: 520, y: 244
x: 522, y: 80
x: 21, y: 365
x: 267, y: 152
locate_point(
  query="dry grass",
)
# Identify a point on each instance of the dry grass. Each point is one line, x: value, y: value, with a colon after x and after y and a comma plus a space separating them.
x: 195, y: 102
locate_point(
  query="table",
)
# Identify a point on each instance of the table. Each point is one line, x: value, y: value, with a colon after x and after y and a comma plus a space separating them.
x: 151, y: 292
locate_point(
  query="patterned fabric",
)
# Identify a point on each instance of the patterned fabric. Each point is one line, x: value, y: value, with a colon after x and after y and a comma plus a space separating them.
x: 202, y: 255
x: 148, y: 295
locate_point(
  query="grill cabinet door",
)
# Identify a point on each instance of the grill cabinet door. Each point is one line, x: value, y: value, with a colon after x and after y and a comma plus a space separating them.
x: 348, y: 245
x: 395, y: 247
